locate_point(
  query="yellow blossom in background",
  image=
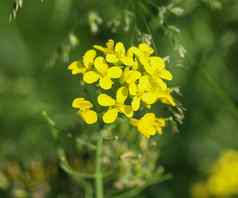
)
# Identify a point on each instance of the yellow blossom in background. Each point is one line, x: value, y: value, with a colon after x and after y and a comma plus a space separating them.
x: 223, y: 180
x: 128, y: 81
x: 84, y: 106
x: 199, y: 190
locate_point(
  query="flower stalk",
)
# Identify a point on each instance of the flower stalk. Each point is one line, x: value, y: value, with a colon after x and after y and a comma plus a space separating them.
x: 99, y: 174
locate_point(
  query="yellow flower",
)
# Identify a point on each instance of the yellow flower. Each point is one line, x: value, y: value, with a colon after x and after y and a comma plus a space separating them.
x: 165, y: 97
x: 145, y: 49
x: 126, y: 58
x: 103, y: 73
x: 149, y: 124
x: 156, y: 68
x: 117, y: 54
x: 84, y: 106
x: 111, y: 51
x: 88, y: 58
x: 130, y: 77
x: 76, y: 67
x: 108, y: 49
x: 129, y: 59
x: 153, y: 65
x: 143, y: 53
x: 150, y: 93
x: 115, y: 105
x: 142, y: 91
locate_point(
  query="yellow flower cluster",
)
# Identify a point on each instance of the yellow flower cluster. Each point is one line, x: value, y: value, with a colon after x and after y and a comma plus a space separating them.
x: 137, y: 74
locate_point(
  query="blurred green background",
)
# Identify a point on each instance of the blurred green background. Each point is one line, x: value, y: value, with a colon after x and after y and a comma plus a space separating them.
x: 37, y: 46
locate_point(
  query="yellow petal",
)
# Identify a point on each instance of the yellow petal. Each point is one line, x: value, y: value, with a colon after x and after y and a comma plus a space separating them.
x: 132, y: 76
x: 157, y: 62
x: 120, y: 49
x: 74, y: 68
x: 100, y: 65
x: 144, y: 84
x: 88, y: 57
x: 105, y: 100
x: 89, y: 116
x: 169, y: 101
x: 114, y: 72
x: 149, y: 118
x: 121, y: 95
x: 105, y: 83
x: 110, y: 116
x: 149, y: 98
x: 160, y: 83
x: 100, y: 48
x: 111, y: 58
x: 132, y: 51
x: 165, y: 74
x: 146, y: 49
x: 135, y: 104
x: 126, y: 60
x: 126, y: 110
x: 90, y: 77
x: 125, y: 73
x: 166, y: 97
x: 110, y: 44
x: 133, y: 89
x: 135, y: 65
x: 81, y: 103
x: 108, y: 49
x: 144, y: 60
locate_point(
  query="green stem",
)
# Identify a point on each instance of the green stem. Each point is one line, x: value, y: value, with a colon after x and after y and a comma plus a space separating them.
x: 99, y: 176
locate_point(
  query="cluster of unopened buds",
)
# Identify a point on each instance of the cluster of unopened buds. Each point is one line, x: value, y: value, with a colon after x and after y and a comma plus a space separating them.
x: 129, y: 82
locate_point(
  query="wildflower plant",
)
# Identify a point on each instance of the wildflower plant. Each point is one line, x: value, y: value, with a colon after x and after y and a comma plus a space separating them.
x: 125, y: 90
x: 129, y: 84
x: 124, y: 98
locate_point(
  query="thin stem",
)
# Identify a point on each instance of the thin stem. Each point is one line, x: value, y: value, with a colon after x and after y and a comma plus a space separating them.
x: 99, y: 175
